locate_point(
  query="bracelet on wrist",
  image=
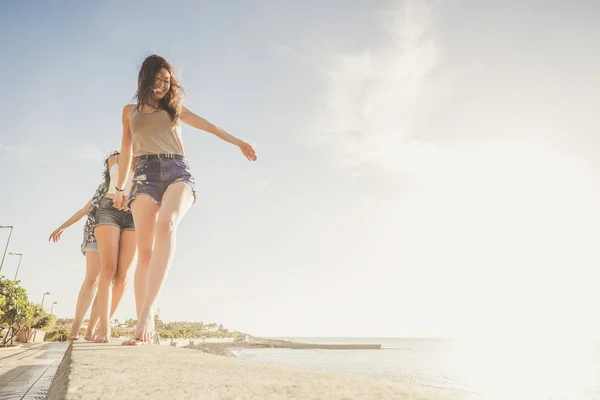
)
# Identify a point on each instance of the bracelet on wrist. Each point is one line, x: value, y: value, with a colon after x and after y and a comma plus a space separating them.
x: 119, y: 190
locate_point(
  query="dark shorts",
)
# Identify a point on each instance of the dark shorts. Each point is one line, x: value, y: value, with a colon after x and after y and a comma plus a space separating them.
x: 89, y: 247
x: 106, y: 214
x: 153, y: 176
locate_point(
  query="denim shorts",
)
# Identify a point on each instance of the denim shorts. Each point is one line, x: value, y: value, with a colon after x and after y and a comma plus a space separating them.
x: 89, y: 247
x: 152, y: 176
x: 106, y: 214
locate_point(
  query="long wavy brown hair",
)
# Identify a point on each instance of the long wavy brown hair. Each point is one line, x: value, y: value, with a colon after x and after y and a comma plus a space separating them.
x: 171, y: 103
x: 106, y: 172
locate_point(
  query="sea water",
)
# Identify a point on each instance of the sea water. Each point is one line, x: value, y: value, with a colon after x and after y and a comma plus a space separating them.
x: 496, y: 369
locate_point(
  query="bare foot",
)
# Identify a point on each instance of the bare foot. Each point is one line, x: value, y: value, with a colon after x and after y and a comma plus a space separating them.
x: 103, y: 335
x: 91, y: 333
x: 143, y: 333
x: 74, y: 335
x: 101, y: 339
x: 149, y: 329
x: 133, y: 342
x: 90, y: 337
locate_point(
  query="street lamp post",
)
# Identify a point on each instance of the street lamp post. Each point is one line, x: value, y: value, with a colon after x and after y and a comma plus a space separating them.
x: 47, y: 293
x: 35, y: 333
x: 19, y: 264
x: 7, y: 242
x: 52, y: 308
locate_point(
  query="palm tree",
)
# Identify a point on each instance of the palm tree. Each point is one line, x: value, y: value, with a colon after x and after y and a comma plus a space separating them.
x: 211, y: 326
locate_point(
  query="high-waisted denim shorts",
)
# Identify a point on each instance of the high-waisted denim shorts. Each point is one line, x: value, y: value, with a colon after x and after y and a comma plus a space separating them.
x: 107, y: 214
x: 154, y: 173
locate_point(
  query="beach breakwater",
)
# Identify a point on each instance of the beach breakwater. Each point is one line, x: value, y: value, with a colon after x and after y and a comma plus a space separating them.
x: 226, y: 347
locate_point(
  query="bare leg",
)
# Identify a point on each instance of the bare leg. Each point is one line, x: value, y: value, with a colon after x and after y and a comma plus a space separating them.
x: 90, y: 333
x: 92, y: 330
x: 177, y: 200
x: 145, y: 211
x: 108, y: 237
x: 127, y: 252
x: 86, y: 293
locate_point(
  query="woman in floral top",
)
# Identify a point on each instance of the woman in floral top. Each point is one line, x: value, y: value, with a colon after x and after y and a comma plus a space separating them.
x: 89, y: 239
x: 89, y: 248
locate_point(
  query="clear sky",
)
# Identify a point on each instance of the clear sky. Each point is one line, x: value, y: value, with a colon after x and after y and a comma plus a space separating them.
x: 424, y: 168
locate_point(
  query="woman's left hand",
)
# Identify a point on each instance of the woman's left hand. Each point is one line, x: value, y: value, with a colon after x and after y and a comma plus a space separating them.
x: 248, y: 151
x: 120, y: 200
x: 55, y: 236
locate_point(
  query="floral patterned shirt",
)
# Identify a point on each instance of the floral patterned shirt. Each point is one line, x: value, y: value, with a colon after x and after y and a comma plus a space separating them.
x: 88, y: 228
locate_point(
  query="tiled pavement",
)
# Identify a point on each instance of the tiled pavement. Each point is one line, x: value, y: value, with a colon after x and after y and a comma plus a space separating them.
x: 26, y: 373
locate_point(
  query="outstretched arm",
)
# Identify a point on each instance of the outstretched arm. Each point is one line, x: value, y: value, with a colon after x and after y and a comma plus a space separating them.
x: 196, y: 121
x: 55, y: 236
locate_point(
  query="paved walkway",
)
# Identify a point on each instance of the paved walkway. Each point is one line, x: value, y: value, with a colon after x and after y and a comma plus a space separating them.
x: 26, y: 373
x: 114, y: 372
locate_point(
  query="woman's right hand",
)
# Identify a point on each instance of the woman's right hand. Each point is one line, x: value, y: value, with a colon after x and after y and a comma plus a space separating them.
x: 55, y: 236
x: 248, y: 151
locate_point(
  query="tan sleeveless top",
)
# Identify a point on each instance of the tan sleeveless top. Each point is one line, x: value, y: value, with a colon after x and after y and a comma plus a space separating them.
x: 155, y: 133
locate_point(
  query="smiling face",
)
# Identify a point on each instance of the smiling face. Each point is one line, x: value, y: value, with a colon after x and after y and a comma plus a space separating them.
x: 158, y: 86
x: 162, y: 84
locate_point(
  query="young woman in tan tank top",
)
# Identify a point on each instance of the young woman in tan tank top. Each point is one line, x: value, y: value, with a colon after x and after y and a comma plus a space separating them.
x: 164, y: 188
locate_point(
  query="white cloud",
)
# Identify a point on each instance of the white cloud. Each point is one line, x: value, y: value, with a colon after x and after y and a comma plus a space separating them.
x: 499, y: 238
x: 89, y: 153
x: 13, y: 148
x: 299, y: 56
x: 498, y: 229
x: 357, y: 175
x: 86, y: 152
x: 374, y: 98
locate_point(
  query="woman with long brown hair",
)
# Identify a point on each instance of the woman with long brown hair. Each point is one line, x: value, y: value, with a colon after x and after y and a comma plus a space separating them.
x: 164, y: 188
x: 115, y: 234
x: 89, y: 248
